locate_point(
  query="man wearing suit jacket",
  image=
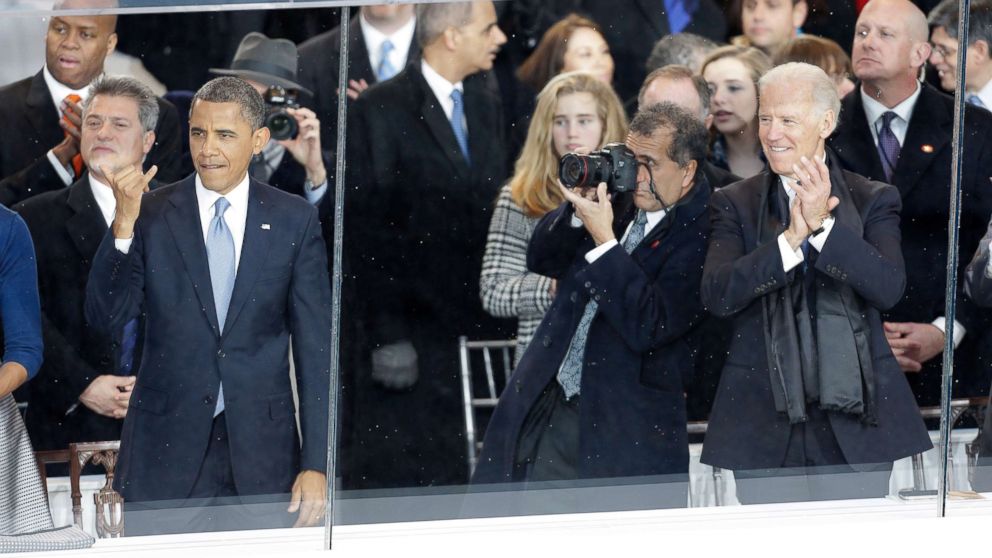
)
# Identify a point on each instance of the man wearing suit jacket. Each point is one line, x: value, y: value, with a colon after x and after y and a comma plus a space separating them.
x: 600, y: 391
x: 40, y: 147
x: 978, y: 287
x: 224, y: 270
x: 85, y: 385
x: 427, y: 163
x: 370, y: 60
x: 629, y: 29
x: 803, y: 258
x: 896, y: 130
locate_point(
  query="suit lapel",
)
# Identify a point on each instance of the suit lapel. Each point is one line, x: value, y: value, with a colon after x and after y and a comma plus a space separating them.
x: 183, y: 219
x: 438, y: 123
x: 853, y: 140
x: 86, y: 226
x: 928, y: 134
x: 41, y: 112
x: 254, y: 253
x: 358, y: 57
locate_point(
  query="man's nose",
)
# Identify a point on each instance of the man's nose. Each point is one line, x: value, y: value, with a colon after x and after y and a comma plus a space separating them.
x: 500, y: 36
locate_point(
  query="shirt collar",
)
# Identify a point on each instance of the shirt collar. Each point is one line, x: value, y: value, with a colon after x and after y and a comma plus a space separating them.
x: 874, y: 109
x: 985, y: 94
x: 401, y: 38
x: 787, y: 182
x: 205, y: 198
x: 104, y: 197
x: 60, y: 91
x: 441, y: 87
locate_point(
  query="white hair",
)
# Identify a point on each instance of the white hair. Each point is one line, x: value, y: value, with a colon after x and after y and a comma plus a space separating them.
x: 822, y: 89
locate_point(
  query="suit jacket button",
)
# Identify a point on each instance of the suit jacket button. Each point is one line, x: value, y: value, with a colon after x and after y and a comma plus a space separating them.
x: 757, y: 290
x: 546, y: 341
x: 588, y: 284
x: 574, y: 296
x: 596, y: 298
x: 517, y: 386
x: 221, y: 354
x: 208, y: 399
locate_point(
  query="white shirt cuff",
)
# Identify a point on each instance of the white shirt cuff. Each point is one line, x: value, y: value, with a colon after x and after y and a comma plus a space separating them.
x: 817, y: 241
x: 595, y: 253
x: 575, y: 223
x: 63, y: 172
x: 123, y: 245
x: 790, y: 258
x: 959, y: 331
x: 314, y: 196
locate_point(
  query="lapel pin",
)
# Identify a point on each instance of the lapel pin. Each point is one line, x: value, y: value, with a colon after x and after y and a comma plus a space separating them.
x: 655, y: 244
x: 266, y: 226
x: 926, y: 148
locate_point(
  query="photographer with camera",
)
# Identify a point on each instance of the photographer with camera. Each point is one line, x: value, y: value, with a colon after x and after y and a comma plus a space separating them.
x: 269, y: 65
x: 599, y: 391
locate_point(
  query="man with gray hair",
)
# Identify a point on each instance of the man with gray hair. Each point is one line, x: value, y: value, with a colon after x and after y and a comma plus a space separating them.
x: 683, y: 49
x: 943, y: 22
x: 803, y: 257
x: 426, y: 160
x: 86, y: 381
x: 224, y: 271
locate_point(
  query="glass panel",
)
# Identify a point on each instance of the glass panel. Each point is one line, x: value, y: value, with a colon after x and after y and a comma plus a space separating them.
x: 453, y: 274
x: 955, y: 39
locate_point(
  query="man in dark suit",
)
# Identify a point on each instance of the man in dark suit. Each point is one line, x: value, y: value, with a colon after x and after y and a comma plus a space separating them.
x: 427, y: 163
x: 803, y: 258
x: 600, y: 393
x: 380, y: 44
x: 40, y: 148
x: 631, y: 30
x: 896, y: 130
x: 85, y: 385
x: 224, y: 271
x: 978, y: 287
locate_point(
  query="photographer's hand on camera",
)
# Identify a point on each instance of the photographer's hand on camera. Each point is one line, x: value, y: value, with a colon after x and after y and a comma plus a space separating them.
x: 305, y: 147
x: 593, y: 207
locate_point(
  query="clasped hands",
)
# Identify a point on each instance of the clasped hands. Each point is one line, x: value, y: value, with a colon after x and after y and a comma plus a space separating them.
x: 813, y: 202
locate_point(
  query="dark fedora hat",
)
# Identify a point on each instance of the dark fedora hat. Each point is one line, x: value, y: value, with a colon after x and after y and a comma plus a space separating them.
x: 267, y: 61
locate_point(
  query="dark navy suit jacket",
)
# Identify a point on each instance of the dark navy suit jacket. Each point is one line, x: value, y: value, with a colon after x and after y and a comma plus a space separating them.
x: 632, y: 409
x: 745, y: 431
x: 281, y: 290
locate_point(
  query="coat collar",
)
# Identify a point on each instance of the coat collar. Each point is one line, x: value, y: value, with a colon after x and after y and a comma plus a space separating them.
x: 86, y: 225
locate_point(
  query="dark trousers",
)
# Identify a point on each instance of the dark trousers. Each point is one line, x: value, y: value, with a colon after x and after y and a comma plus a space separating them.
x: 814, y: 468
x: 213, y: 503
x: 548, y: 449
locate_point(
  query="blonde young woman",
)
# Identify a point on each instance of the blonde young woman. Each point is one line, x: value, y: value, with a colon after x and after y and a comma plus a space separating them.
x: 575, y: 112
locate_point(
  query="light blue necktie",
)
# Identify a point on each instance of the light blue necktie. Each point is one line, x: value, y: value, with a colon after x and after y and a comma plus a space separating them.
x: 976, y: 100
x: 386, y: 69
x: 220, y: 259
x: 570, y: 375
x: 458, y: 123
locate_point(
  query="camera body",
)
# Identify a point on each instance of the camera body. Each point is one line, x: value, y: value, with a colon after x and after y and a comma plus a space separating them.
x: 280, y: 123
x: 614, y: 164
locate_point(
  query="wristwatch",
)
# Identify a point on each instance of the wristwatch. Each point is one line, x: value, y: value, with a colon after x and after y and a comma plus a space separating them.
x: 823, y: 225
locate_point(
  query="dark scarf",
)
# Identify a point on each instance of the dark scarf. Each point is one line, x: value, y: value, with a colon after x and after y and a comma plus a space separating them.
x: 816, y: 328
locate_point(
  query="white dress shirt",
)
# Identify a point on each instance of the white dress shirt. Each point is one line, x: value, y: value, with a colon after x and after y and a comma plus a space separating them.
x: 59, y: 92
x: 442, y: 89
x: 985, y: 94
x: 105, y: 199
x: 402, y: 38
x: 236, y: 216
x: 904, y: 110
x: 791, y: 258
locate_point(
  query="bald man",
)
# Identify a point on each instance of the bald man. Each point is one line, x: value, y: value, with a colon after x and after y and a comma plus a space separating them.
x: 898, y: 130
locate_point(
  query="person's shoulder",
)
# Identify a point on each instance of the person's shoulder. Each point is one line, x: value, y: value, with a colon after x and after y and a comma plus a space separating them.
x: 279, y: 198
x: 16, y: 89
x: 320, y: 45
x: 42, y: 204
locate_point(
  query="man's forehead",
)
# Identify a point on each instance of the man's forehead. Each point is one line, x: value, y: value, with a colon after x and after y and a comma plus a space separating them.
x: 116, y: 106
x: 650, y: 145
x: 227, y: 114
x: 87, y: 22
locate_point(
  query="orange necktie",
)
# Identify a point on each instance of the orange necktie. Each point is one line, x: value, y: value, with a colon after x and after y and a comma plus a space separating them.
x: 77, y: 160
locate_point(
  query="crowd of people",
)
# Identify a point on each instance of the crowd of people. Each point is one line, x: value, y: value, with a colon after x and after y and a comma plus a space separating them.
x: 767, y: 252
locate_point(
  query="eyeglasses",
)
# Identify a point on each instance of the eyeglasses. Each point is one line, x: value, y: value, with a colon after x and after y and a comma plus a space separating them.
x: 944, y: 52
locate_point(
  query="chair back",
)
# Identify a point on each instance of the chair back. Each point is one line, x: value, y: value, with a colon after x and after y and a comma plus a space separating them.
x: 485, y: 370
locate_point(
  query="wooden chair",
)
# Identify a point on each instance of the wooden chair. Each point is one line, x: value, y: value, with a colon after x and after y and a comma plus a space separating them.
x: 109, y: 504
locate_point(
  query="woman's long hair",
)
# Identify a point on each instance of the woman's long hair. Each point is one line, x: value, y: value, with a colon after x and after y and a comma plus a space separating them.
x: 534, y: 183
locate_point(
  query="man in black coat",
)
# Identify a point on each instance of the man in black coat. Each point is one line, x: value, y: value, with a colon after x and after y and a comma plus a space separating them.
x: 803, y: 258
x: 86, y: 379
x: 369, y: 60
x: 427, y: 162
x: 37, y: 150
x: 600, y: 391
x: 890, y: 46
x: 631, y: 29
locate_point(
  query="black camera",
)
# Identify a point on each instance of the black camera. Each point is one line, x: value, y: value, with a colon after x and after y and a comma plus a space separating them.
x: 614, y: 164
x: 280, y: 123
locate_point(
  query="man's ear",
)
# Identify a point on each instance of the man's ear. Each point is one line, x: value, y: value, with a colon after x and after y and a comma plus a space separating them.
x: 452, y: 38
x: 827, y: 124
x: 980, y: 50
x: 147, y: 142
x: 799, y: 12
x: 259, y: 139
x: 111, y: 43
x: 690, y: 174
x: 920, y: 53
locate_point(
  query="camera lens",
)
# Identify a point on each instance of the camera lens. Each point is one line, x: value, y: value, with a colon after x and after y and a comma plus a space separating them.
x: 281, y: 125
x: 572, y: 170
